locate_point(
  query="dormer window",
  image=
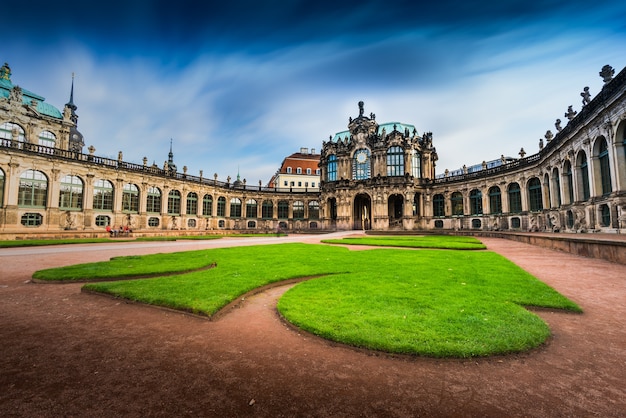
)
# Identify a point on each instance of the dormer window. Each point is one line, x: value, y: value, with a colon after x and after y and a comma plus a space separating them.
x: 288, y: 170
x: 298, y: 170
x: 308, y: 171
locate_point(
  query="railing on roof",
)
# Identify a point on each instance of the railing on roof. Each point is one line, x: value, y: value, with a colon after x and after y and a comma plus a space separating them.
x: 477, y: 171
x: 57, y: 153
x: 599, y: 101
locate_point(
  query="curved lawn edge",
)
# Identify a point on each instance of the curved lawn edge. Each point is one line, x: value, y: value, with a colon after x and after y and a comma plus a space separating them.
x: 122, y: 278
x: 388, y: 301
x: 438, y: 242
x: 223, y: 311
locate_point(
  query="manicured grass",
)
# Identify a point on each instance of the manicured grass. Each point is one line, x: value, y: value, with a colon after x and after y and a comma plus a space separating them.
x: 39, y: 242
x: 431, y: 303
x: 238, y: 271
x: 179, y: 238
x: 415, y: 241
x: 129, y: 266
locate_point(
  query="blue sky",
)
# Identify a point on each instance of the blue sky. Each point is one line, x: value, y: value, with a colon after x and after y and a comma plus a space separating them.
x: 239, y: 85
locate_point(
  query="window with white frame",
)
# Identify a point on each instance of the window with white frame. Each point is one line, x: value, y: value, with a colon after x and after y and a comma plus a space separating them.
x: 71, y: 193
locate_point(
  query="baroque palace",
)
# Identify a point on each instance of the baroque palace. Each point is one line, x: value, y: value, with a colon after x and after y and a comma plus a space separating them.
x: 372, y: 176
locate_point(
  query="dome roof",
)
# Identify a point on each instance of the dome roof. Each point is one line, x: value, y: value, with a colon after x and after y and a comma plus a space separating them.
x: 27, y: 96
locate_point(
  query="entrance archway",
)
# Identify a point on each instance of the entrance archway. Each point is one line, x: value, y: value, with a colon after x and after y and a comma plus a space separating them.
x: 332, y: 211
x: 362, y: 212
x: 395, y: 207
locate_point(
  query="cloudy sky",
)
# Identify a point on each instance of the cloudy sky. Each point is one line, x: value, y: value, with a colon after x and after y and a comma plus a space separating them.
x: 239, y: 85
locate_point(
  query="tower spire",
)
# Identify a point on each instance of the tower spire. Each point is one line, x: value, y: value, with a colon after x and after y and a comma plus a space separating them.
x: 76, y: 140
x: 71, y: 104
x: 170, y: 158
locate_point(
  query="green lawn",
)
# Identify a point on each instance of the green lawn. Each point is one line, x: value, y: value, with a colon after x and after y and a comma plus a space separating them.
x: 39, y: 242
x: 429, y: 302
x: 416, y: 241
x: 122, y: 238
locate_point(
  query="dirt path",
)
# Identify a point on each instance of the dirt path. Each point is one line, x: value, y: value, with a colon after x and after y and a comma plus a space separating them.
x: 65, y: 353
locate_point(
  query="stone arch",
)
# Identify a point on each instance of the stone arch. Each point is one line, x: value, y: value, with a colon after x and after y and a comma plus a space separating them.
x: 362, y: 211
x: 395, y: 209
x: 601, y: 175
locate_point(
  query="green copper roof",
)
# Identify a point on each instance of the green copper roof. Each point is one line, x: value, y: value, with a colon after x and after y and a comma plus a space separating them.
x: 400, y: 127
x: 27, y: 97
x: 341, y: 135
x: 388, y: 127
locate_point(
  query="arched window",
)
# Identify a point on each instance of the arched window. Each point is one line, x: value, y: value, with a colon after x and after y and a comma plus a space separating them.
x: 556, y: 184
x: 192, y: 203
x: 130, y: 198
x: 495, y: 200
x: 289, y: 170
x: 395, y: 161
x: 6, y: 133
x: 331, y: 168
x: 267, y: 209
x: 299, y: 170
x: 221, y: 206
x: 283, y: 209
x: 71, y: 193
x: 153, y: 200
x: 235, y: 207
x: 298, y: 209
x: 582, y: 172
x: 605, y: 169
x: 476, y: 202
x: 534, y: 194
x: 1, y: 188
x: 569, y: 183
x: 515, y: 198
x: 47, y: 139
x: 33, y: 190
x: 546, y: 182
x: 314, y: 209
x: 416, y: 164
x: 173, y: 202
x: 207, y: 205
x: 438, y: 205
x: 251, y: 208
x: 308, y: 171
x: 103, y: 195
x: 416, y: 204
x: 457, y: 203
x: 361, y: 164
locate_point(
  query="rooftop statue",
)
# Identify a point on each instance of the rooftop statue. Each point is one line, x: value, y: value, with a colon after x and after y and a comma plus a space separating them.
x: 557, y: 125
x: 607, y: 73
x: 570, y: 114
x: 586, y: 96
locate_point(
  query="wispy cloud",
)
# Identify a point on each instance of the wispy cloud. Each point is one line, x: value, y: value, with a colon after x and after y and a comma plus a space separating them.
x: 241, y: 85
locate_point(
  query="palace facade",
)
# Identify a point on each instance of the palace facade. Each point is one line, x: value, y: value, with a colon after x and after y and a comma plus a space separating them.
x: 373, y: 176
x: 382, y: 177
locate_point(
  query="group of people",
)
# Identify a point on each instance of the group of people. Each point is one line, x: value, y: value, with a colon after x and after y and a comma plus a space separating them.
x: 115, y: 231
